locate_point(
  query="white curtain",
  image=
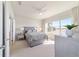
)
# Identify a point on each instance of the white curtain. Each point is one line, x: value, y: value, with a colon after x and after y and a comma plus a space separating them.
x: 75, y: 14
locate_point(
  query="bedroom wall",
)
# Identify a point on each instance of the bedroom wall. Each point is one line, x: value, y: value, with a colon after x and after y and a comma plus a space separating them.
x: 7, y: 28
x: 12, y: 22
x: 28, y: 22
x: 9, y: 31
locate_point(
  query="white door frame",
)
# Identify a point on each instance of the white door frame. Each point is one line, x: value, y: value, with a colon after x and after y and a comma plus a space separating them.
x: 7, y: 29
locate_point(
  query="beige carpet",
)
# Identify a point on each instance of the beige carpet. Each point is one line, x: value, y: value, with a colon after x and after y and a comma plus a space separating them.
x: 43, y: 50
x: 18, y: 45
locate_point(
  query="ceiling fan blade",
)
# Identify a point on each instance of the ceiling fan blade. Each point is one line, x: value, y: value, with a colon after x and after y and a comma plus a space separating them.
x: 39, y: 9
x: 20, y: 2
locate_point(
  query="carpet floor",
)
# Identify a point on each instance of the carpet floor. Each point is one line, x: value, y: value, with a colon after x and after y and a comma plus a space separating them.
x: 21, y: 49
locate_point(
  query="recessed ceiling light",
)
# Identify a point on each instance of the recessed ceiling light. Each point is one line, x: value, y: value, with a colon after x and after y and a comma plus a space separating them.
x: 40, y: 14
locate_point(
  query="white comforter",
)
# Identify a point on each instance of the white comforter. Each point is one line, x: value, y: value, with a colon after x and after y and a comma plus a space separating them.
x: 36, y: 35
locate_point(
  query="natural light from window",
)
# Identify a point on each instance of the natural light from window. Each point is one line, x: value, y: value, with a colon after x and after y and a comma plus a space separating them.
x: 58, y: 27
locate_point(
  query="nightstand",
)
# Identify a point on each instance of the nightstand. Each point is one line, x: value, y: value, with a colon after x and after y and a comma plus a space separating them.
x: 19, y: 36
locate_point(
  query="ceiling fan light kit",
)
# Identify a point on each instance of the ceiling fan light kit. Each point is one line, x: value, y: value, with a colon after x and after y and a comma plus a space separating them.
x: 40, y: 13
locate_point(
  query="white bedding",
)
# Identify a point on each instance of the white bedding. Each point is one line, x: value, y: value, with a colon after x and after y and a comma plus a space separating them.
x: 35, y: 38
x: 36, y: 35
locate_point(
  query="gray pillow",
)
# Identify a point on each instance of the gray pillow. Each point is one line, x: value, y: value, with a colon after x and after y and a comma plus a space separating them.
x: 29, y: 31
x: 34, y: 30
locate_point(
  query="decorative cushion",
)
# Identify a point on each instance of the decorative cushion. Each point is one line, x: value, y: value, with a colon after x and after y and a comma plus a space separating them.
x: 29, y: 29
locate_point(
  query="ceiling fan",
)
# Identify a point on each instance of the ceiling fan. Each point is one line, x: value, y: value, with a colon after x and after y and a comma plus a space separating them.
x: 20, y: 2
x: 40, y: 9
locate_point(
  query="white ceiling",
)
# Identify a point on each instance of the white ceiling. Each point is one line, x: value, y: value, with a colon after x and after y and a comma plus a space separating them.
x: 51, y: 8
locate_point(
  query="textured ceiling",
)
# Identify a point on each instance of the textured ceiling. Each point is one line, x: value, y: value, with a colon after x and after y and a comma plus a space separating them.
x: 31, y: 9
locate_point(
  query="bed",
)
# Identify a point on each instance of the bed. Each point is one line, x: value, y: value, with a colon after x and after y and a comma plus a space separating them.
x: 33, y: 37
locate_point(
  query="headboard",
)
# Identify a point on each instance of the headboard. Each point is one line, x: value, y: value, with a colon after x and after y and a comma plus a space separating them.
x: 26, y: 29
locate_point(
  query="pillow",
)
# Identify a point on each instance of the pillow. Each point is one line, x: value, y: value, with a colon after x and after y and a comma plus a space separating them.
x: 25, y: 31
x: 34, y: 30
x: 29, y: 31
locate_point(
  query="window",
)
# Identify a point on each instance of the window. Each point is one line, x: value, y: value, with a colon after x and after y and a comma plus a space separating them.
x: 66, y: 21
x: 57, y: 27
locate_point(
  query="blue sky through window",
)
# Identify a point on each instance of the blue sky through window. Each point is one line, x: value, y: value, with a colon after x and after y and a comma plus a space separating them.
x: 66, y: 21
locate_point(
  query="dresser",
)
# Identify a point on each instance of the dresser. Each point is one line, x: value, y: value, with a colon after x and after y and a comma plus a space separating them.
x: 66, y: 47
